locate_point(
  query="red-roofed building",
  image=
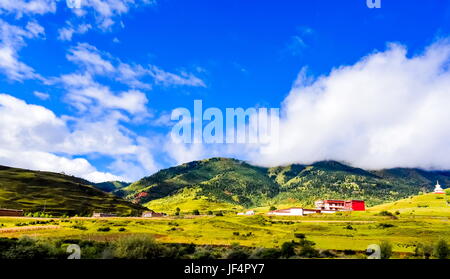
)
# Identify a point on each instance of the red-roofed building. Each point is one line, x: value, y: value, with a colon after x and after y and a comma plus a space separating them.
x: 341, y: 205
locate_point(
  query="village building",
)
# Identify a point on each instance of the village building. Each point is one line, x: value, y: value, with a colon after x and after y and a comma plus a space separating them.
x: 438, y: 189
x: 149, y: 214
x: 10, y: 212
x: 249, y: 212
x: 293, y: 211
x: 100, y: 214
x: 340, y: 205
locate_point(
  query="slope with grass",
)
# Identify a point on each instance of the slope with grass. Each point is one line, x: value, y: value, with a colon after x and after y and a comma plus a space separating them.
x: 420, y: 205
x: 228, y: 183
x: 215, y: 180
x: 57, y: 194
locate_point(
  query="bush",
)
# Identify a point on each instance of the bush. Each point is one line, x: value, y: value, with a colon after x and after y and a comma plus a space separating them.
x: 204, y: 253
x: 236, y: 233
x: 122, y: 229
x: 386, y: 250
x: 137, y: 247
x: 79, y: 227
x: 219, y: 214
x: 210, y: 213
x: 104, y: 229
x: 266, y: 253
x: 423, y: 250
x: 237, y: 253
x: 196, y: 212
x: 272, y: 208
x: 385, y: 213
x: 384, y: 226
x: 441, y: 250
x: 288, y: 249
x: 300, y: 235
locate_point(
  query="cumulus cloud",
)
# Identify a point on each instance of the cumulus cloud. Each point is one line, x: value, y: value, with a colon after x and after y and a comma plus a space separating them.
x: 388, y: 110
x: 12, y: 39
x: 32, y: 136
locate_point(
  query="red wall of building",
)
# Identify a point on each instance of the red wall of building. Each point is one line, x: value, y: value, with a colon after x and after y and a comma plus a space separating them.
x: 358, y: 206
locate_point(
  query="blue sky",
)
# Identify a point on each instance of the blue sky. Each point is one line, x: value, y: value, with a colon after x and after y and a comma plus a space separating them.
x: 88, y: 91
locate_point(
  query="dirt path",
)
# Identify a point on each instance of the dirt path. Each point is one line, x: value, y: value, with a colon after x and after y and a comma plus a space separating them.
x: 28, y: 228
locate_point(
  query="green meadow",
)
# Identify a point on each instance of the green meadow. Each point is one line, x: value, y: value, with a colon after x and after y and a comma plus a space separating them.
x: 421, y: 219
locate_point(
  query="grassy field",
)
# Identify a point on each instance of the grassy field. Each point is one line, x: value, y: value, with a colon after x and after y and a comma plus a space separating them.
x: 413, y: 224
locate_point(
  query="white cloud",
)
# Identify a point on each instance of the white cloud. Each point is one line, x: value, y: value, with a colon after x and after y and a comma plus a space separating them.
x: 107, y: 11
x: 84, y: 93
x: 12, y: 39
x: 27, y: 7
x: 388, y: 110
x: 66, y: 33
x: 34, y: 137
x: 168, y: 79
x: 90, y: 58
x: 41, y: 95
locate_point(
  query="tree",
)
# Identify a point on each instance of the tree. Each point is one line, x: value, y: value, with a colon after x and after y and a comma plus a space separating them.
x: 177, y: 211
x: 441, y: 250
x: 386, y: 249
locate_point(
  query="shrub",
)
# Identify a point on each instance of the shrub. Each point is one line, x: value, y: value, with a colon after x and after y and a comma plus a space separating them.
x: 122, y: 229
x: 79, y: 227
x: 196, y: 212
x: 210, y: 213
x: 300, y: 235
x: 204, y: 253
x: 219, y: 214
x: 348, y: 227
x: 288, y: 249
x: 441, y: 250
x: 266, y: 253
x: 423, y: 250
x: 237, y: 253
x: 272, y: 208
x: 137, y: 247
x: 384, y: 225
x: 385, y: 249
x: 349, y: 252
x: 384, y: 213
x: 104, y: 229
x: 236, y: 233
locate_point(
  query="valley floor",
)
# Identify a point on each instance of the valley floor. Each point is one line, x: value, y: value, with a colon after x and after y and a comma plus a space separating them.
x: 353, y: 231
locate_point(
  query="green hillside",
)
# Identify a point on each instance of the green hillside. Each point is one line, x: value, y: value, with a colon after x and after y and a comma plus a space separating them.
x: 216, y: 180
x: 426, y: 204
x: 221, y: 183
x: 58, y: 194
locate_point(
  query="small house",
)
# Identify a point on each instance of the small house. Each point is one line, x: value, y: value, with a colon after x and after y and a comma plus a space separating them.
x: 100, y: 215
x: 149, y: 214
x: 10, y: 212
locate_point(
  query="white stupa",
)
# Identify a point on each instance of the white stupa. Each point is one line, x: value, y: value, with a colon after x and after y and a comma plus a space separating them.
x: 438, y: 189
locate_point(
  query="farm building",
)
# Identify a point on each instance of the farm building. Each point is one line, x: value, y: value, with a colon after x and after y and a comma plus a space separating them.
x: 148, y: 214
x: 10, y: 212
x: 293, y: 211
x: 250, y: 212
x: 99, y: 214
x: 340, y: 205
